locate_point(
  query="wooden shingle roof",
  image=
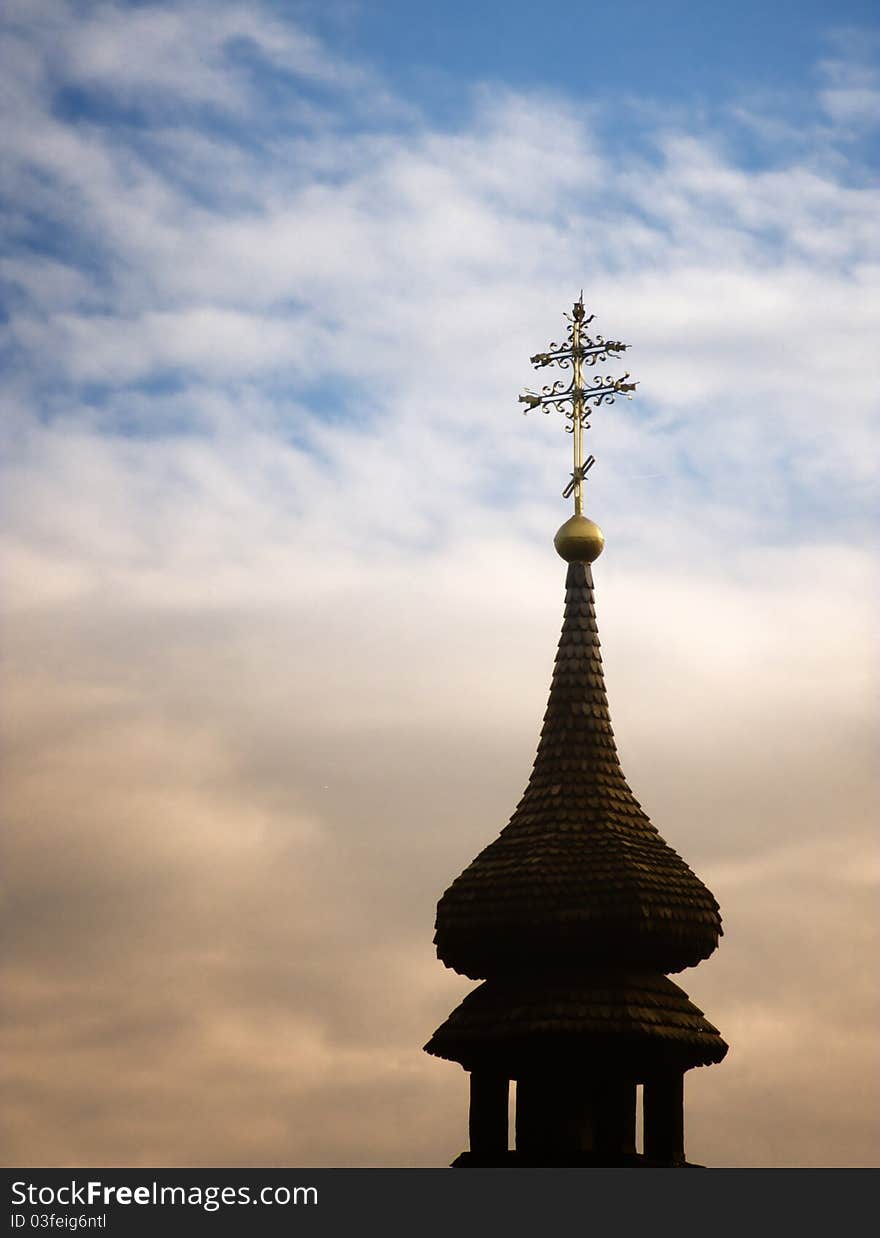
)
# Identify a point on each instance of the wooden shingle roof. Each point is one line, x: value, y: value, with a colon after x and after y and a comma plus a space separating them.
x: 641, y: 1019
x: 580, y: 876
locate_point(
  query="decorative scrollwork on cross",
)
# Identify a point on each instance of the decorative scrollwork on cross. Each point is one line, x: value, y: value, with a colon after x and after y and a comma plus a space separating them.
x: 574, y: 398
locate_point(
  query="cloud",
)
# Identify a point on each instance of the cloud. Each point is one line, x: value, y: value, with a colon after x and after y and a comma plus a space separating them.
x: 852, y: 84
x: 282, y: 604
x: 160, y: 54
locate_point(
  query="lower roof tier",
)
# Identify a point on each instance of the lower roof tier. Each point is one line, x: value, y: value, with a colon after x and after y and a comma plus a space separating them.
x: 639, y: 1022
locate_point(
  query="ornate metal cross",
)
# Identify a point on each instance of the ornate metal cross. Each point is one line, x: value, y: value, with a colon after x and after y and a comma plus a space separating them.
x: 573, y: 401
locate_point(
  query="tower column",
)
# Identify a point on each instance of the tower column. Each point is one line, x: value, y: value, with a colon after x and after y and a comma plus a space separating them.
x: 664, y: 1117
x: 487, y: 1120
x: 615, y: 1122
x: 544, y: 1115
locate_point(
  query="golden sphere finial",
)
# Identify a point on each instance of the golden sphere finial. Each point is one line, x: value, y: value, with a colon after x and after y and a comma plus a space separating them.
x: 579, y: 540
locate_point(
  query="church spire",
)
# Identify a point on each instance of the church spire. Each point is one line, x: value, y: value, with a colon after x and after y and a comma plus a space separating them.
x: 574, y: 916
x: 580, y: 875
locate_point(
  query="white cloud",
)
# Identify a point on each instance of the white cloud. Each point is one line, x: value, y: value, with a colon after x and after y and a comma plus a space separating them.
x: 852, y: 93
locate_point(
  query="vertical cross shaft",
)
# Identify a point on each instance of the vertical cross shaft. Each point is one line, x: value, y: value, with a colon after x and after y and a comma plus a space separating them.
x: 577, y: 418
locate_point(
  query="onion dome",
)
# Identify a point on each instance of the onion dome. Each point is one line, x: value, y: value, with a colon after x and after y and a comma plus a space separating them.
x: 579, y: 878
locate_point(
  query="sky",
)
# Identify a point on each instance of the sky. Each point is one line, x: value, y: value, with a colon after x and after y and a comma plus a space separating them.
x: 280, y: 596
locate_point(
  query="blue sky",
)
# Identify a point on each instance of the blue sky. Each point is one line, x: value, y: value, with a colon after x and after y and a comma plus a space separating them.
x: 278, y: 541
x: 630, y: 173
x: 677, y: 53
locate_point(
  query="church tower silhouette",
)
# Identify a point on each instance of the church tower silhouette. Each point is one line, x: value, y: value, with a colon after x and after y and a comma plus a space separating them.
x: 574, y: 917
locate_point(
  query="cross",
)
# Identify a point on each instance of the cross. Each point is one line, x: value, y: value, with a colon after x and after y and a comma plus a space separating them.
x: 573, y: 400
